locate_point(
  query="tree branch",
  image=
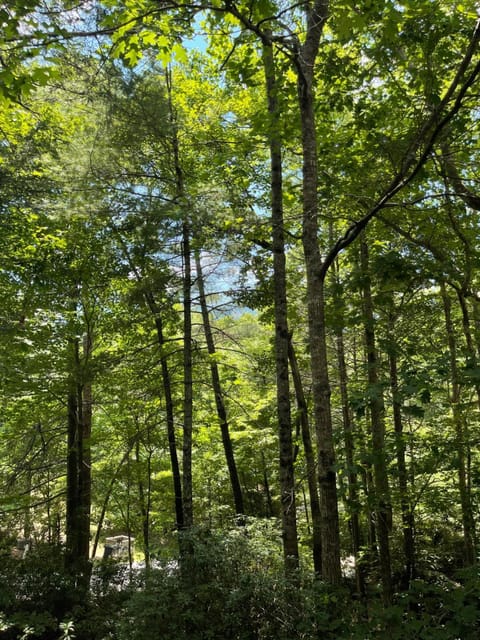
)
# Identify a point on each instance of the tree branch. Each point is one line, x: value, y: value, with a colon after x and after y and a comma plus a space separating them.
x: 426, y: 139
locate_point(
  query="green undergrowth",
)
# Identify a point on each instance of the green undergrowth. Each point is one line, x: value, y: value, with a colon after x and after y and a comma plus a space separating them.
x: 227, y: 586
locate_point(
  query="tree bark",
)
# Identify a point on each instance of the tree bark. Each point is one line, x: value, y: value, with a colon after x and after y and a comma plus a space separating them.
x: 169, y: 411
x: 287, y: 477
x: 187, y: 488
x: 218, y: 392
x: 408, y: 520
x: 309, y: 459
x: 377, y: 418
x: 305, y: 65
x: 85, y: 455
x: 353, y: 501
x: 79, y: 421
x: 461, y: 436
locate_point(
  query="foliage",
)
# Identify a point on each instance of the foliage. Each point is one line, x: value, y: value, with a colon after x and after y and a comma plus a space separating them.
x: 226, y: 587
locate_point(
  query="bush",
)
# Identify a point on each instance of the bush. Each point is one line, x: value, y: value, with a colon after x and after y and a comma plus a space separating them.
x: 35, y: 594
x: 225, y: 589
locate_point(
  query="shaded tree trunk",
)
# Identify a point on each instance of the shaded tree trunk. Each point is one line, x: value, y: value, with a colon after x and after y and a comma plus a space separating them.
x: 353, y: 505
x: 187, y: 488
x: 287, y: 479
x: 309, y: 459
x: 353, y: 501
x: 377, y: 419
x: 85, y: 461
x: 144, y: 497
x: 78, y: 503
x: 408, y: 520
x: 461, y: 436
x: 305, y: 65
x: 169, y: 411
x: 106, y: 499
x: 218, y: 392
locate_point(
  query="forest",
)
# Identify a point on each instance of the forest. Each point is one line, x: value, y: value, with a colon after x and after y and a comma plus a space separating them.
x: 240, y: 329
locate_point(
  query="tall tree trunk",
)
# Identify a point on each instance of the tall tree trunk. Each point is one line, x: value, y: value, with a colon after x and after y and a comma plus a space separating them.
x: 169, y: 410
x: 187, y: 489
x: 287, y: 478
x: 85, y: 454
x: 408, y: 520
x: 71, y: 524
x: 353, y: 501
x: 154, y: 307
x: 305, y: 66
x: 348, y: 437
x: 461, y: 436
x: 377, y: 417
x: 219, y: 396
x: 106, y: 500
x: 144, y: 497
x: 309, y: 459
x: 269, y: 511
x: 78, y: 467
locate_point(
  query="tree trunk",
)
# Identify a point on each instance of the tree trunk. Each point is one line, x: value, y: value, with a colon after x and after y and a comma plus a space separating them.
x: 154, y: 307
x: 309, y: 459
x: 71, y: 524
x: 287, y: 478
x: 85, y: 455
x: 353, y: 501
x: 144, y: 497
x: 461, y: 436
x: 353, y: 506
x: 471, y: 352
x: 408, y: 521
x: 187, y: 489
x: 78, y: 465
x: 169, y: 411
x: 106, y: 500
x: 305, y: 66
x: 219, y: 396
x: 377, y: 417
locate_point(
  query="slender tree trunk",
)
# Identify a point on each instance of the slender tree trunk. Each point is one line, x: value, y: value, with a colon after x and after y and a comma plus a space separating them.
x: 365, y: 472
x: 78, y: 471
x: 287, y: 478
x: 461, y: 436
x: 27, y: 519
x: 476, y: 326
x: 408, y: 520
x: 377, y: 417
x: 348, y: 437
x: 169, y: 411
x: 219, y: 396
x: 187, y: 489
x: 144, y: 498
x: 305, y: 65
x: 309, y: 459
x: 154, y: 307
x: 71, y: 525
x: 268, y: 494
x: 106, y: 500
x: 85, y: 455
x: 353, y: 501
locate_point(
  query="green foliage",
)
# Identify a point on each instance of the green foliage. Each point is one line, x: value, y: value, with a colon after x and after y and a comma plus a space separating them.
x: 36, y: 594
x: 225, y: 587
